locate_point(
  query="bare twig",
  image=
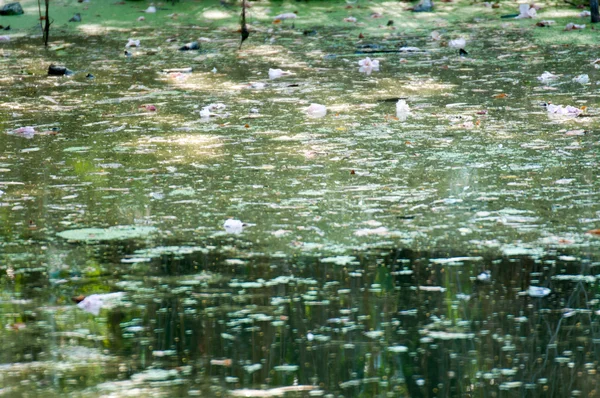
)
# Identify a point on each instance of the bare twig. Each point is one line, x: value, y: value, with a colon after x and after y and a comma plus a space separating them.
x: 46, y: 18
x: 47, y: 24
x: 244, y: 27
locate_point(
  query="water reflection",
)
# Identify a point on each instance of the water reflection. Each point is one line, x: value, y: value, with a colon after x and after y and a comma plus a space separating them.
x: 393, y: 322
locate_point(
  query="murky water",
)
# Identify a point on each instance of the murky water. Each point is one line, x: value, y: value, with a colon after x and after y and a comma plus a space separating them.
x: 381, y: 257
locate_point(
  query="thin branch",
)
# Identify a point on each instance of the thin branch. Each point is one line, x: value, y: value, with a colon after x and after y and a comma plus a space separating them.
x: 244, y: 27
x: 47, y: 24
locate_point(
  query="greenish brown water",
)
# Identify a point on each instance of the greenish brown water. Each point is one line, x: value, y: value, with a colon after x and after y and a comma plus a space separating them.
x: 359, y: 275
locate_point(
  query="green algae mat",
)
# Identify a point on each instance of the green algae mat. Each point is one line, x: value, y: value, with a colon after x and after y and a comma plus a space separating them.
x: 360, y: 201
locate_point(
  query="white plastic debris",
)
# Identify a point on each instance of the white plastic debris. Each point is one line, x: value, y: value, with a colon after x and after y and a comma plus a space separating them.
x: 214, y: 70
x: 4, y: 38
x: 526, y: 11
x: 208, y: 110
x: 94, y: 303
x: 585, y: 14
x: 546, y: 77
x: 91, y: 304
x: 435, y: 35
x: 572, y: 26
x: 277, y: 73
x: 26, y: 132
x: 315, y: 111
x: 563, y: 111
x: 458, y: 43
x: 402, y: 110
x: 546, y: 22
x: 132, y: 43
x: 234, y: 226
x: 538, y: 291
x: 582, y: 79
x: 485, y: 276
x: 367, y: 66
x: 151, y: 9
x: 287, y: 15
x: 432, y: 289
x: 350, y: 19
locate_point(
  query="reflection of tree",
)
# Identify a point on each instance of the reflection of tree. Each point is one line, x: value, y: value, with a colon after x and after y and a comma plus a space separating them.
x: 336, y: 323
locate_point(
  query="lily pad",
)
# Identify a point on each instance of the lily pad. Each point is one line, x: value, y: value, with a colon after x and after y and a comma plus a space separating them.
x: 120, y: 232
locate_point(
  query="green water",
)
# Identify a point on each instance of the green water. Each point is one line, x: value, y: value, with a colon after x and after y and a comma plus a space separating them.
x: 357, y: 275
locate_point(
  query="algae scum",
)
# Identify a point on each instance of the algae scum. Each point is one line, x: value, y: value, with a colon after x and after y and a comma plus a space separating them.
x: 452, y: 251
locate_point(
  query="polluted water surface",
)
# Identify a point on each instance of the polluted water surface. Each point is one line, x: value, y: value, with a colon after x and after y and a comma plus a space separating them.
x: 342, y: 206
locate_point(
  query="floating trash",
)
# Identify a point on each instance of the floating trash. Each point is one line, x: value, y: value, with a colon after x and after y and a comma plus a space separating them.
x: 510, y: 385
x: 315, y: 111
x: 57, y: 70
x: 458, y: 43
x: 288, y: 15
x: 582, y: 79
x: 537, y: 291
x: 339, y: 260
x: 234, y: 226
x: 547, y: 77
x: 374, y: 334
x: 432, y: 289
x: 567, y: 111
x: 26, y: 132
x: 194, y: 45
x: 485, y: 276
x: 402, y: 110
x: 572, y: 26
x: 94, y: 303
x: 75, y: 18
x: 208, y: 110
x: 286, y: 368
x: 221, y: 362
x: 132, y: 43
x: 397, y: 348
x: 526, y: 11
x: 277, y: 73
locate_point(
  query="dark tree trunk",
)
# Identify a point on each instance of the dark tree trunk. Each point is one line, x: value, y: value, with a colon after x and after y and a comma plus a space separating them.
x: 594, y: 11
x: 47, y: 24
